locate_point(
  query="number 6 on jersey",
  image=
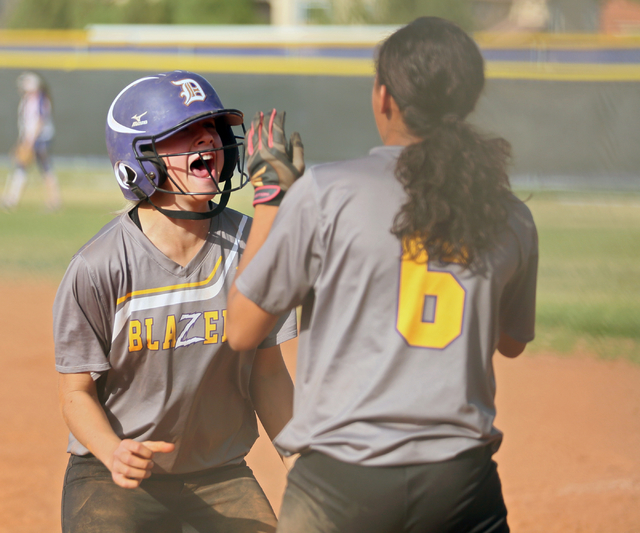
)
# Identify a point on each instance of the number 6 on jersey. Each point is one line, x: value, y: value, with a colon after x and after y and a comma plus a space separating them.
x: 430, y: 305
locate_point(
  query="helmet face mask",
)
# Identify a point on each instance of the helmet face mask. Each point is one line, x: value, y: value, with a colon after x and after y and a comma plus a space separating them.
x: 151, y: 110
x: 145, y: 151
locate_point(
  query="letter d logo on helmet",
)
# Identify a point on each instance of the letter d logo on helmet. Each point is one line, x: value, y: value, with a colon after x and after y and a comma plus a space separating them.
x: 191, y: 91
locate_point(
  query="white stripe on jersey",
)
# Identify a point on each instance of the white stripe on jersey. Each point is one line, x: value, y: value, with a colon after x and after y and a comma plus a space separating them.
x: 188, y: 295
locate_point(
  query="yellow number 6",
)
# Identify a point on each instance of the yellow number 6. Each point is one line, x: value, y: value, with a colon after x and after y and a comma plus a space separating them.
x: 441, y: 292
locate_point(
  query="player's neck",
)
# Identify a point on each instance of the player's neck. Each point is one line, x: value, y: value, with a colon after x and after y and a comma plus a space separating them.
x: 180, y: 240
x: 397, y: 134
x: 390, y: 120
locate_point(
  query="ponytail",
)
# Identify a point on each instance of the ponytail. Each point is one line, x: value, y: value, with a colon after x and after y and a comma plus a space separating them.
x: 456, y: 185
x: 455, y: 178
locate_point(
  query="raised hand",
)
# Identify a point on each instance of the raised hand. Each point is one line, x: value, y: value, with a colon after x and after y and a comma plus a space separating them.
x: 274, y: 163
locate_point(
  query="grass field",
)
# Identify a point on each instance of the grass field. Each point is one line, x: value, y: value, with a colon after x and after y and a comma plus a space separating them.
x: 589, y: 275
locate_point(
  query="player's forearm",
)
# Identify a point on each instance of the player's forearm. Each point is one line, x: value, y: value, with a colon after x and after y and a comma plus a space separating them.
x: 88, y: 422
x: 129, y: 461
x: 271, y: 390
x: 247, y: 324
x: 274, y: 164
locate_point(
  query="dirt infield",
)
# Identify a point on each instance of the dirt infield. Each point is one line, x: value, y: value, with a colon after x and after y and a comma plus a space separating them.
x: 570, y: 461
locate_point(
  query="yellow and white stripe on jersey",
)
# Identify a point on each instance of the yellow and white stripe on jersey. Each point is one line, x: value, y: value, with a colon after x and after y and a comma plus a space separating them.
x: 174, y: 294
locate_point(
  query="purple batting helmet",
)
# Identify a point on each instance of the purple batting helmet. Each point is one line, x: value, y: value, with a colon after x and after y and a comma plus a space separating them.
x: 151, y: 109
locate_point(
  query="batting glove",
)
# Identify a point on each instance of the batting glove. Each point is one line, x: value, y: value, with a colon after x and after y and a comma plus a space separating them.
x: 274, y: 163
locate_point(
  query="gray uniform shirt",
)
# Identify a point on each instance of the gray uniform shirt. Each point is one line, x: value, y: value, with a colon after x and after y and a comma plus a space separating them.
x: 152, y: 333
x: 395, y: 358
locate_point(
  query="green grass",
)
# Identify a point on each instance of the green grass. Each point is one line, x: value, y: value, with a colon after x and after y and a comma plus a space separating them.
x: 589, y: 273
x: 36, y: 243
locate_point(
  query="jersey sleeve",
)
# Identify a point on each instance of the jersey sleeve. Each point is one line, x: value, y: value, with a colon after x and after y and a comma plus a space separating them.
x: 285, y: 329
x: 286, y: 267
x: 80, y: 325
x: 518, y: 304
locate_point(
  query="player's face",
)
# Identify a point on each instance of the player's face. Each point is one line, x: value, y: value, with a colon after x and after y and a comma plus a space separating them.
x: 193, y: 172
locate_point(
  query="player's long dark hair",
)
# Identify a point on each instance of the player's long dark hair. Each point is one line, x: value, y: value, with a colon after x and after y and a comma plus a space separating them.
x: 455, y: 178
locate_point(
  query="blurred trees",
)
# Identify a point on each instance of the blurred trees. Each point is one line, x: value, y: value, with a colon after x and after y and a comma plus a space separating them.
x: 403, y: 11
x: 78, y: 13
x: 214, y: 12
x: 575, y: 15
x: 400, y: 11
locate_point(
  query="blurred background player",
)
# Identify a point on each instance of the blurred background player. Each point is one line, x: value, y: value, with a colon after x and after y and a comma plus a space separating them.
x: 161, y: 411
x: 412, y: 265
x: 35, y: 135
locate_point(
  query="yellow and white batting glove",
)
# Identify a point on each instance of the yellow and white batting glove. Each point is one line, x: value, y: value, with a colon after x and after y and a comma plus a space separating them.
x: 274, y: 163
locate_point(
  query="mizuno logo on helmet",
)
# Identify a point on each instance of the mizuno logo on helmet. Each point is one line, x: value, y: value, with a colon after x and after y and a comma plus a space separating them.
x: 191, y: 91
x: 111, y: 120
x: 137, y: 119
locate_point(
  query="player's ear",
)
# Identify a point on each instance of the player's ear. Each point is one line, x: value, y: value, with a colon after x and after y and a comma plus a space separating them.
x: 385, y: 99
x: 381, y: 97
x: 383, y: 102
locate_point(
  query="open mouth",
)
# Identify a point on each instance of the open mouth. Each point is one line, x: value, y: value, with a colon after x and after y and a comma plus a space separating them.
x: 203, y: 166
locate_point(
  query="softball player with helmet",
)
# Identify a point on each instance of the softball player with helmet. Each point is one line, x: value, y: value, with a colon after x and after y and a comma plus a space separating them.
x: 161, y: 410
x: 412, y: 265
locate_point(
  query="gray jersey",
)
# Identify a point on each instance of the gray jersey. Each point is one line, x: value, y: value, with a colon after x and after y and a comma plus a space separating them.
x: 395, y: 357
x: 153, y: 334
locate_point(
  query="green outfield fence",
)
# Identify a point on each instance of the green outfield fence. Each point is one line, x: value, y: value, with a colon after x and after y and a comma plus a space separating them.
x: 569, y: 104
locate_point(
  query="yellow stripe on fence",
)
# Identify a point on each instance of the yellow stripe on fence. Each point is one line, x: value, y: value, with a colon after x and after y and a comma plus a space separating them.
x: 303, y: 66
x: 562, y: 71
x: 198, y: 63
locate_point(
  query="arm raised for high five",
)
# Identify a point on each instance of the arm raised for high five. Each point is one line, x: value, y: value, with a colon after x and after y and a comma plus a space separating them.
x: 274, y: 164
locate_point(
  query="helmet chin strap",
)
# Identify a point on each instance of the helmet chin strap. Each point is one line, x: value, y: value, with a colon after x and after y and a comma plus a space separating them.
x: 188, y: 215
x: 195, y: 215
